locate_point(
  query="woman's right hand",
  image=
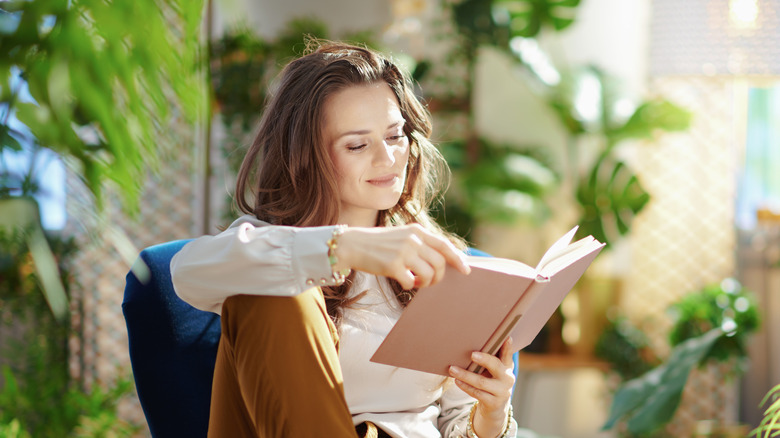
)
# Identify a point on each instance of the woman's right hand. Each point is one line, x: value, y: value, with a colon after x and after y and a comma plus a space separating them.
x: 410, y: 254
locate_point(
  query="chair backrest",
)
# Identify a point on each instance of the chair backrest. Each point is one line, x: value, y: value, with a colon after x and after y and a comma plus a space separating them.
x: 173, y: 347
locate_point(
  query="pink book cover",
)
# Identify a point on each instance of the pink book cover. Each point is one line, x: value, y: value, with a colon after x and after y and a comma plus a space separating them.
x: 445, y: 322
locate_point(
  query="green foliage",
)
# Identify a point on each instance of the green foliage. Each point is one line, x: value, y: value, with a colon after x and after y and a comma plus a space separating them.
x: 726, y: 305
x: 496, y: 22
x: 711, y: 324
x: 770, y: 424
x: 526, y: 18
x: 494, y: 183
x: 625, y: 348
x: 20, y: 279
x: 48, y: 408
x: 608, y: 192
x: 610, y: 197
x: 650, y: 116
x: 239, y: 65
x: 504, y: 184
x: 13, y: 430
x: 38, y: 396
x: 476, y: 22
x: 243, y: 65
x: 648, y: 402
x: 103, y: 76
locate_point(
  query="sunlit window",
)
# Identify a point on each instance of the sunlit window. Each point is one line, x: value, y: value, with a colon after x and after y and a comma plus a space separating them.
x: 759, y: 185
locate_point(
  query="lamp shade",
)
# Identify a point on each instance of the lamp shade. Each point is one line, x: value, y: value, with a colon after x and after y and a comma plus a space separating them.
x: 715, y: 37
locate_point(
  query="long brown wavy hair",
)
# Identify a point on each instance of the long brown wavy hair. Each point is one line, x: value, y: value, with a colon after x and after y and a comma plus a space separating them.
x: 287, y: 176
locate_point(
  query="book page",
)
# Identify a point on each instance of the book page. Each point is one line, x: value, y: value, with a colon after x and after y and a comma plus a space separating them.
x: 569, y: 255
x: 556, y: 248
x: 506, y: 266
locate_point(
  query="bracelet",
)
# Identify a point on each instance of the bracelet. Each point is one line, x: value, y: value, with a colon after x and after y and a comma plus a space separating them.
x: 333, y: 243
x: 470, y: 424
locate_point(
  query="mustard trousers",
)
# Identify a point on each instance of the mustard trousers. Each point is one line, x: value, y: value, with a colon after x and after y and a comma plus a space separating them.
x: 277, y: 372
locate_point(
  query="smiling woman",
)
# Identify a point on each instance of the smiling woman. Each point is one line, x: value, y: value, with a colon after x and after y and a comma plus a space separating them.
x: 370, y: 162
x: 304, y: 302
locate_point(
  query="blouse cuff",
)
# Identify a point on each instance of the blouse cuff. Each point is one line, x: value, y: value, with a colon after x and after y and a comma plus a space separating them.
x: 310, y: 257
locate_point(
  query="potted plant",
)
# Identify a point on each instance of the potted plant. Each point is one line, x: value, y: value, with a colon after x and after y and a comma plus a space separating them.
x: 711, y: 324
x: 605, y: 188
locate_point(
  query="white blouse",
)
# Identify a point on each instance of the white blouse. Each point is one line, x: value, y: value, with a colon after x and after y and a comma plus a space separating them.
x: 254, y: 258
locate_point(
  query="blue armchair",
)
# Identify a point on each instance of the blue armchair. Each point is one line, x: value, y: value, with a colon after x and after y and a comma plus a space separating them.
x: 173, y: 347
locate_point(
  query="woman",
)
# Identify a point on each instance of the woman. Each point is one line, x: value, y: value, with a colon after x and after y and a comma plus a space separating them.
x: 305, y: 302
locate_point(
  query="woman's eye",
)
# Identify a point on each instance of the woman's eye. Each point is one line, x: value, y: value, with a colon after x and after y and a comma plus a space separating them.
x: 395, y: 138
x: 356, y: 147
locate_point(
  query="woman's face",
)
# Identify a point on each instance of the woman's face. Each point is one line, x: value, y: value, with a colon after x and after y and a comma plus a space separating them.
x: 363, y: 129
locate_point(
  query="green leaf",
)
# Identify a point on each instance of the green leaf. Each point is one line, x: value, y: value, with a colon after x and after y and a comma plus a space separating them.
x: 649, y: 401
x: 610, y: 198
x: 561, y: 23
x: 652, y: 116
x: 7, y: 140
x: 48, y: 273
x: 529, y: 17
x: 476, y: 19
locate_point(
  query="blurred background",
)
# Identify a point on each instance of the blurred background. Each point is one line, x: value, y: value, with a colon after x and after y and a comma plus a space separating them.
x: 653, y: 125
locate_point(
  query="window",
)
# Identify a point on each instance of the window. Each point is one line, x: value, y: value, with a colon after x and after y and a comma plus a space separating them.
x: 759, y: 183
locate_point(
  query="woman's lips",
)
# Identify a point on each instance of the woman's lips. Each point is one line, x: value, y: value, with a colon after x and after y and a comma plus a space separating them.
x: 384, y: 181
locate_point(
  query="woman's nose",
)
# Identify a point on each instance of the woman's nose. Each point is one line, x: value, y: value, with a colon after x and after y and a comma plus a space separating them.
x: 384, y: 155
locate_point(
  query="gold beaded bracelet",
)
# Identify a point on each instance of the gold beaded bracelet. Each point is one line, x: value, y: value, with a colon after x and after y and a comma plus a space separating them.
x: 470, y: 424
x: 333, y: 243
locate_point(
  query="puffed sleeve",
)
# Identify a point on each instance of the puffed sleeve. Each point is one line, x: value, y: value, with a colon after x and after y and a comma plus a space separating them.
x: 455, y: 409
x: 251, y: 258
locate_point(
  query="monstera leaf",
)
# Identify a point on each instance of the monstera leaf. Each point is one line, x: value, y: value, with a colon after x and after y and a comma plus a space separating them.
x: 650, y: 116
x: 611, y: 195
x: 610, y: 198
x: 528, y: 17
x: 494, y: 22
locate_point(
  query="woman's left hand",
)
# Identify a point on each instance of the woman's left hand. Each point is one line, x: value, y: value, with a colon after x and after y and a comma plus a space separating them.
x: 492, y: 388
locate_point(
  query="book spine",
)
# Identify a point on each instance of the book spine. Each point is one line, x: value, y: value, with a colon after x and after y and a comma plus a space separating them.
x: 524, y: 302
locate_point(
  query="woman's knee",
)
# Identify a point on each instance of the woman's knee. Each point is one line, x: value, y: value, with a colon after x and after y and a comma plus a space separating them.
x: 271, y: 316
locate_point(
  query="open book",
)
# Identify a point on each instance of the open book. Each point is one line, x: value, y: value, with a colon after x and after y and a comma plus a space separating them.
x: 445, y: 322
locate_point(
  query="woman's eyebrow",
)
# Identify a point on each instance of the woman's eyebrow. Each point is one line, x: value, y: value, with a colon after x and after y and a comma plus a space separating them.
x: 356, y: 132
x: 398, y: 123
x: 368, y: 131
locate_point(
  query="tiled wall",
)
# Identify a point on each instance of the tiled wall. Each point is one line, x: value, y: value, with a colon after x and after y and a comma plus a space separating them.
x: 685, y: 238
